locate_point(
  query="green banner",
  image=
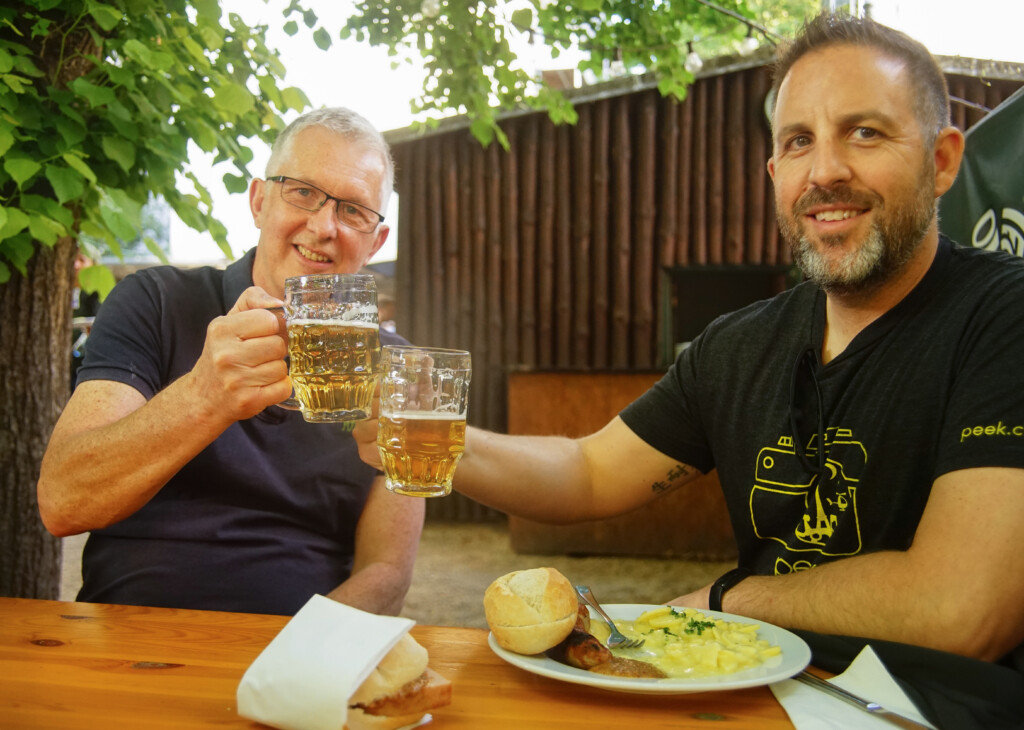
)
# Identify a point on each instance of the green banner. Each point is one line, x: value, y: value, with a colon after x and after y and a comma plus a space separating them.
x: 985, y: 206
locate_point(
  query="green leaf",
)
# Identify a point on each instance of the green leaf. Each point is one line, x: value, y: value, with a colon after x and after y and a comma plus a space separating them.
x: 24, y: 66
x: 483, y: 130
x: 15, y: 222
x: 21, y: 169
x: 18, y: 250
x: 45, y: 230
x: 195, y: 50
x: 233, y: 99
x: 120, y: 151
x: 203, y: 136
x: 96, y: 278
x: 154, y: 248
x: 294, y: 98
x: 235, y: 183
x: 59, y: 213
x: 106, y: 17
x: 268, y: 87
x: 70, y: 130
x: 6, y: 140
x: 118, y: 224
x: 138, y: 51
x: 5, y: 273
x: 79, y: 165
x: 523, y: 18
x: 322, y: 39
x: 291, y: 27
x: 6, y: 61
x: 67, y: 183
x: 16, y: 83
x: 96, y: 95
x: 212, y: 40
x: 3, y: 217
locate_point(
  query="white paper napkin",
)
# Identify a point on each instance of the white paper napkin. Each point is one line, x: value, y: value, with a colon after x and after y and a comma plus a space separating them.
x: 867, y: 677
x: 305, y: 676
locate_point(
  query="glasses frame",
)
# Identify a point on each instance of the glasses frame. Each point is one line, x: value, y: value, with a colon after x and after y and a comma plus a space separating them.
x: 327, y: 199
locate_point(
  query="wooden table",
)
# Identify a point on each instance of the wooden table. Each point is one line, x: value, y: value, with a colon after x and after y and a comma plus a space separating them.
x: 86, y: 665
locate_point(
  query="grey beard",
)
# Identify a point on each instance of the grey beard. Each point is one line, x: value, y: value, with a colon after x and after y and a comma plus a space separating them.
x: 859, y: 270
x: 884, y: 254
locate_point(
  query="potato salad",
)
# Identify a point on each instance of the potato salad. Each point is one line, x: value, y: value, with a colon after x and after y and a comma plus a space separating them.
x: 686, y: 643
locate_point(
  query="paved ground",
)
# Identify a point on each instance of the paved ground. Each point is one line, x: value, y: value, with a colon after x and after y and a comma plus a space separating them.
x: 457, y: 562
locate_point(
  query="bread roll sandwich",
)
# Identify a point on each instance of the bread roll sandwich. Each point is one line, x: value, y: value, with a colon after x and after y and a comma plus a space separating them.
x: 399, y: 691
x: 530, y: 611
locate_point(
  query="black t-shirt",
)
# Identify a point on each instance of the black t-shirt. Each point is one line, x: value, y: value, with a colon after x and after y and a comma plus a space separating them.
x: 262, y: 518
x: 933, y: 386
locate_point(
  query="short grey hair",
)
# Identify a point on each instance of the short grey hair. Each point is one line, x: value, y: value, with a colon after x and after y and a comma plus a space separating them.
x: 930, y: 95
x: 349, y: 124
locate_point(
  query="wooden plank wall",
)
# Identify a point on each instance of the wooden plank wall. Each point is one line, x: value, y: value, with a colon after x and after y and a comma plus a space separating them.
x: 549, y: 256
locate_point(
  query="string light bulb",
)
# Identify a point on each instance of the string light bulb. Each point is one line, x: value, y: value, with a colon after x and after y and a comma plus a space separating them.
x: 749, y: 44
x: 693, y: 62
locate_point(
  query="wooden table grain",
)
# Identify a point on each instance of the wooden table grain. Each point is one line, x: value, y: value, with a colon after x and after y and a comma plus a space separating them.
x: 84, y: 665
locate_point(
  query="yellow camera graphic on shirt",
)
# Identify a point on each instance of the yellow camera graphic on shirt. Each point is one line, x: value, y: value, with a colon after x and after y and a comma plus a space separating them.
x: 804, y: 511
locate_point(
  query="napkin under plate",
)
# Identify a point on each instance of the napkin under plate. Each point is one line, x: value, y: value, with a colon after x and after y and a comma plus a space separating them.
x: 867, y: 677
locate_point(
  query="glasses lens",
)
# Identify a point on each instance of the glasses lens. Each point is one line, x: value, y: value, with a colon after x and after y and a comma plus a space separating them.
x: 357, y: 216
x: 301, y: 195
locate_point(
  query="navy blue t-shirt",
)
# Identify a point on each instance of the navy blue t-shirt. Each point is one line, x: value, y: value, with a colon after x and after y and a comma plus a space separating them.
x: 262, y: 518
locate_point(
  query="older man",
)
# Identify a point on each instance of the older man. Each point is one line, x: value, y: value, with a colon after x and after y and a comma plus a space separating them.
x: 867, y: 425
x: 197, y: 491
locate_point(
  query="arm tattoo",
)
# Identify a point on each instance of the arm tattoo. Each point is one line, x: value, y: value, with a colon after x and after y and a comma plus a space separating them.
x: 672, y: 479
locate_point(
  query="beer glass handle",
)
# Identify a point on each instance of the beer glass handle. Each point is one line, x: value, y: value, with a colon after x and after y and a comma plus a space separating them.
x: 290, y: 404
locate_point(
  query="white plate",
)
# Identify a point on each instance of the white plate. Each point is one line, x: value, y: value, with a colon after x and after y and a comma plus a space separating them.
x: 795, y: 656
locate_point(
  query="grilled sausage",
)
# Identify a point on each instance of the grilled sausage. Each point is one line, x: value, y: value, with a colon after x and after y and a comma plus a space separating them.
x: 580, y: 649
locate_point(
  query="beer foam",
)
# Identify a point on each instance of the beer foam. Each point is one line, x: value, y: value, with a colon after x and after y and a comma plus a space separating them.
x: 423, y: 415
x: 304, y: 321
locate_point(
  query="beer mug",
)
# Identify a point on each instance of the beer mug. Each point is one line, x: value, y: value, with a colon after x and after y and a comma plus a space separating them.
x: 421, y: 434
x: 333, y: 346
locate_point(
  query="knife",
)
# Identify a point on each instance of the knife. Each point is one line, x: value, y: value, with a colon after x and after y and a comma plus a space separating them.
x: 872, y: 707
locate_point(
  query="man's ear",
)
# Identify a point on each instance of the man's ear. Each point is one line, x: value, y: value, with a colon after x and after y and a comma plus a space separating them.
x: 382, y: 236
x: 771, y: 168
x: 257, y: 189
x: 949, y: 153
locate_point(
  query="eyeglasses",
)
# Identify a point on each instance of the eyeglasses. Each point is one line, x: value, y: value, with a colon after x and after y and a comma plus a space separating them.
x: 310, y: 197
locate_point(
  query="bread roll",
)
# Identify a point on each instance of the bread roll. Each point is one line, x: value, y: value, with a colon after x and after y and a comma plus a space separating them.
x: 404, y: 663
x: 530, y: 611
x: 399, y: 691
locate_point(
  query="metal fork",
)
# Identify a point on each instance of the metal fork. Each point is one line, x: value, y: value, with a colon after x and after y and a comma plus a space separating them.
x: 616, y: 639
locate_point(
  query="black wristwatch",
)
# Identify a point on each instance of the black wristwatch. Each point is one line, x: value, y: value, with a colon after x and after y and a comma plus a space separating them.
x: 727, y: 581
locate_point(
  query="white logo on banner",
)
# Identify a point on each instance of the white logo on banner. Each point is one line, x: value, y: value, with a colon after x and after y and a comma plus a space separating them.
x: 1000, y: 234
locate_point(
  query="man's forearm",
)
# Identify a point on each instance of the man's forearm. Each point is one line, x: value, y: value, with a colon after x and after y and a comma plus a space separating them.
x: 885, y: 595
x: 536, y: 477
x: 97, y: 476
x: 378, y: 588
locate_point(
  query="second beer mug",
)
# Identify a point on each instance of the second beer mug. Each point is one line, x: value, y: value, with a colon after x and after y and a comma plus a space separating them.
x: 424, y: 395
x: 333, y: 345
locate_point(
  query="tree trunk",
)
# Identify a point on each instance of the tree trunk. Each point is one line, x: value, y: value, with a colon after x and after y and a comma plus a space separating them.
x: 35, y: 365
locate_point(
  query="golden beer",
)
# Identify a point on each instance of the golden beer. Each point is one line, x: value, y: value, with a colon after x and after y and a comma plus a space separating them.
x: 333, y: 367
x: 420, y: 450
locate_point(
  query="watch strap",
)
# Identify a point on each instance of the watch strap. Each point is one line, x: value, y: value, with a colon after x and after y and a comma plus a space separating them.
x: 724, y: 583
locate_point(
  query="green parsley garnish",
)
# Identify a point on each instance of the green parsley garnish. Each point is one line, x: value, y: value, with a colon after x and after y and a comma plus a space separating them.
x: 697, y: 627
